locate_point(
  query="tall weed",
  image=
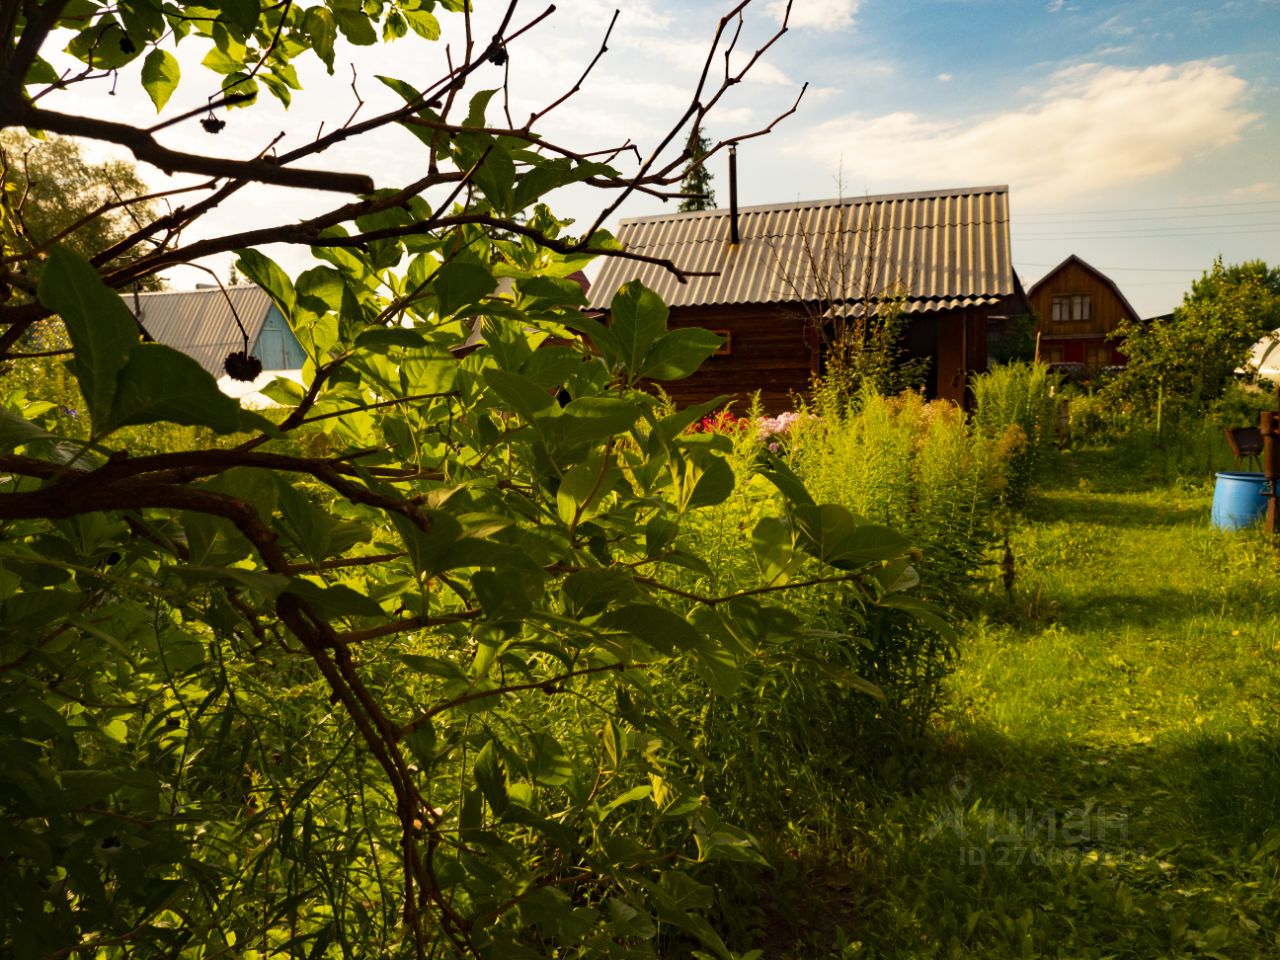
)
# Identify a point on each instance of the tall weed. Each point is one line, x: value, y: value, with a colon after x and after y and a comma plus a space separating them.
x: 1012, y: 399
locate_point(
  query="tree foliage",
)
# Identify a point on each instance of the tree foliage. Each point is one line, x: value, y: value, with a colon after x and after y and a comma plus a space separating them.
x: 1183, y: 363
x: 696, y: 184
x: 52, y: 194
x: 375, y: 675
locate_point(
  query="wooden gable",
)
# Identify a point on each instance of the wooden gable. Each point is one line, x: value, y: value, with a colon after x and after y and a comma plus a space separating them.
x: 1076, y: 300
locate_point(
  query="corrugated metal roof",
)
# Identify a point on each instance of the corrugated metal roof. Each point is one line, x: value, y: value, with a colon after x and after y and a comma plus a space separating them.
x: 934, y: 250
x: 201, y: 323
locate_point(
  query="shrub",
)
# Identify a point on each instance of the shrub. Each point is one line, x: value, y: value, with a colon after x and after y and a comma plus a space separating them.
x: 1018, y: 397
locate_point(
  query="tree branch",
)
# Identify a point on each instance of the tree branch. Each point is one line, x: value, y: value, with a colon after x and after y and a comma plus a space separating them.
x: 145, y: 148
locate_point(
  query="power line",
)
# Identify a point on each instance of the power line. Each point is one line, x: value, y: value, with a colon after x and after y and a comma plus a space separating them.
x: 1027, y: 263
x: 1171, y: 234
x: 1179, y: 216
x: 1190, y: 206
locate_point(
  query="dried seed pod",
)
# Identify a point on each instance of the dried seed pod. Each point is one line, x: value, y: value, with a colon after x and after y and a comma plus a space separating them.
x: 243, y: 367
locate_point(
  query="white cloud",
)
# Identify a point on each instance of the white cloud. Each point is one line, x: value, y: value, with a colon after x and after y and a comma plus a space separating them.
x: 1093, y: 127
x: 823, y: 14
x: 1263, y: 188
x: 1116, y: 25
x: 944, y: 77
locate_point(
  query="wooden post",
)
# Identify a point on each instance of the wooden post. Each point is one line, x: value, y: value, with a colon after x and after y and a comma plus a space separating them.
x: 1269, y: 425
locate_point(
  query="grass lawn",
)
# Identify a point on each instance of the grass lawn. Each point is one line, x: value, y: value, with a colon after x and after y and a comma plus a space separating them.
x: 1105, y: 781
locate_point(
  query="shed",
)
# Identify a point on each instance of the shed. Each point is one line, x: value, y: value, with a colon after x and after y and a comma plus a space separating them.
x: 202, y: 324
x: 940, y: 256
x: 1077, y: 309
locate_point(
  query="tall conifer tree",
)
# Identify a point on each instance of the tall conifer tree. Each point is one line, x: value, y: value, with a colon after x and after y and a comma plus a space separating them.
x: 697, y: 178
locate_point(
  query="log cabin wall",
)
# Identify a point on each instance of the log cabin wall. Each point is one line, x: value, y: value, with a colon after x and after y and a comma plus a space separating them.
x: 773, y: 350
x: 769, y: 349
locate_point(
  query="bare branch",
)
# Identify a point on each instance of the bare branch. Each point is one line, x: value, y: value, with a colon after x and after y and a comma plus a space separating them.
x: 604, y: 48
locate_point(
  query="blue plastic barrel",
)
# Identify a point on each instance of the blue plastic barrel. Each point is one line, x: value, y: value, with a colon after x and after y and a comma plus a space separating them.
x: 1239, y: 499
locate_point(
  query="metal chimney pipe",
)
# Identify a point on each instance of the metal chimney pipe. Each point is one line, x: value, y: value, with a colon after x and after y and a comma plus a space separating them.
x: 734, y: 238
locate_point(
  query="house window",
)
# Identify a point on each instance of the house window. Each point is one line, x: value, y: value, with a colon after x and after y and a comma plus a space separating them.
x: 1076, y: 306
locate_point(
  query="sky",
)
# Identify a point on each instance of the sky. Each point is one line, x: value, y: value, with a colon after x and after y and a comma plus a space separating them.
x: 1140, y: 135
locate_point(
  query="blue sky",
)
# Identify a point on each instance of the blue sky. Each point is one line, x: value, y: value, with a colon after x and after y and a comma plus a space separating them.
x: 1142, y: 136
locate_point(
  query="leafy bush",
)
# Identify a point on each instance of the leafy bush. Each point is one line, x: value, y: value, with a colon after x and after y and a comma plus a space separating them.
x: 1016, y: 407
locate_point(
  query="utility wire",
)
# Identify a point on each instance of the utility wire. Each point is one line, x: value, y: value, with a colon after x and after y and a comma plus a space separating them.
x: 1180, y: 216
x: 1028, y: 263
x: 1192, y: 206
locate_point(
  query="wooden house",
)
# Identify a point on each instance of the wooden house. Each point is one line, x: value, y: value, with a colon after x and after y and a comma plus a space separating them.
x: 783, y: 272
x: 202, y: 323
x: 1077, y: 308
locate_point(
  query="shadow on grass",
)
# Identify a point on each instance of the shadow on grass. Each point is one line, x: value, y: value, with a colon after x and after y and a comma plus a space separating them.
x: 1033, y: 827
x: 1206, y: 790
x: 1081, y: 508
x: 1034, y: 605
x: 1134, y: 467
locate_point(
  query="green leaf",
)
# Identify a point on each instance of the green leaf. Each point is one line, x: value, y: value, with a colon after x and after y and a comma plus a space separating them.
x: 429, y: 371
x: 479, y: 103
x: 496, y: 178
x: 491, y: 778
x: 334, y: 601
x: 101, y: 328
x: 522, y: 395
x: 601, y: 337
x: 160, y: 384
x: 269, y: 585
x: 160, y: 75
x: 639, y: 317
x: 771, y: 541
x: 381, y: 338
x: 627, y: 922
x: 241, y: 84
x: 16, y: 432
x: 427, y: 548
x: 658, y: 627
x: 586, y: 421
x: 707, y: 485
x: 717, y: 667
x: 423, y: 23
x: 788, y: 484
x: 462, y: 283
x: 833, y: 534
x: 322, y: 28
x: 305, y: 524
x: 240, y: 13
x: 40, y: 71
x: 102, y: 44
x: 679, y: 353
x: 549, y: 764
x: 354, y: 23
x: 264, y: 271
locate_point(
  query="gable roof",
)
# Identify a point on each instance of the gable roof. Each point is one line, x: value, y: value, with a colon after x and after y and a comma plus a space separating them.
x: 939, y: 249
x: 202, y: 323
x: 1073, y: 259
